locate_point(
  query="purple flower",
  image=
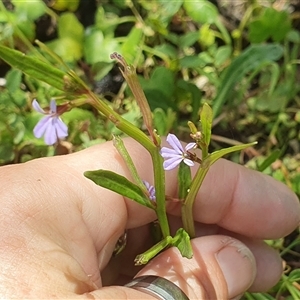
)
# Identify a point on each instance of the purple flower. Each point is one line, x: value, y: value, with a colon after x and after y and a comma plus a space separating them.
x: 151, y: 190
x: 51, y: 126
x: 176, y: 155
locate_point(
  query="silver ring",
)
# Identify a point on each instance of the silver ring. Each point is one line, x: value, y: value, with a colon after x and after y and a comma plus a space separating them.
x: 158, y: 287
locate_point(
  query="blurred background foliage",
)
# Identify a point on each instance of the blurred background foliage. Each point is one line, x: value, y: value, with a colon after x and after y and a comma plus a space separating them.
x: 242, y: 57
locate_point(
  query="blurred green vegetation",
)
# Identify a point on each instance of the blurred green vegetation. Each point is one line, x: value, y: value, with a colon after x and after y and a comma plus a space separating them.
x: 241, y: 57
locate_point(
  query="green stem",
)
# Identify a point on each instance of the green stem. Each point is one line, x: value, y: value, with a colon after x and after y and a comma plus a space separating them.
x: 143, y: 139
x: 187, y: 205
x: 204, y: 152
x: 120, y: 122
x: 159, y: 183
x: 143, y: 258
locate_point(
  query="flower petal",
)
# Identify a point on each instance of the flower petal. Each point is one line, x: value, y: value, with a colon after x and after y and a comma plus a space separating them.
x: 171, y: 163
x: 190, y: 146
x: 167, y: 152
x: 50, y: 133
x: 188, y: 162
x: 37, y: 107
x: 150, y: 189
x: 174, y: 143
x: 61, y: 127
x: 41, y: 126
x: 52, y: 106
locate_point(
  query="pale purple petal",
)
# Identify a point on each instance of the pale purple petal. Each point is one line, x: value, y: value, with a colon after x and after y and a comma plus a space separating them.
x: 190, y: 146
x: 61, y: 128
x: 50, y: 134
x: 167, y: 152
x: 188, y: 162
x: 41, y: 126
x: 171, y: 163
x: 176, y: 155
x: 51, y: 126
x: 53, y: 106
x: 37, y: 107
x: 174, y: 143
x: 150, y: 189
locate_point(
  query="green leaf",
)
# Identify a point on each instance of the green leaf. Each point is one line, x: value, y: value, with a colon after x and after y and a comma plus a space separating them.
x: 249, y: 60
x: 159, y: 88
x: 223, y: 53
x: 120, y: 185
x: 213, y: 157
x: 163, y: 121
x: 188, y: 39
x: 294, y: 275
x: 258, y: 296
x: 261, y: 29
x: 69, y: 50
x: 96, y: 48
x: 130, y: 48
x: 70, y: 27
x: 184, y: 180
x: 206, y: 123
x: 33, y: 67
x: 167, y: 10
x: 269, y: 160
x: 65, y: 5
x: 181, y: 240
x: 14, y: 79
x: 31, y: 10
x: 201, y: 11
x: 27, y: 28
x: 206, y: 36
x: 188, y: 90
x: 7, y: 153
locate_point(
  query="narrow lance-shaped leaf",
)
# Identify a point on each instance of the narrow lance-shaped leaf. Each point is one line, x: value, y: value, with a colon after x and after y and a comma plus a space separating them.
x: 33, y: 67
x: 247, y: 61
x: 120, y: 185
x: 206, y: 123
x: 269, y: 160
x: 118, y: 143
x: 213, y: 157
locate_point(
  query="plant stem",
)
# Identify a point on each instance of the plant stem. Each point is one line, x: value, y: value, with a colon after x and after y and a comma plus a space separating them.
x: 144, y: 140
x: 187, y: 205
x: 120, y: 122
x: 159, y: 182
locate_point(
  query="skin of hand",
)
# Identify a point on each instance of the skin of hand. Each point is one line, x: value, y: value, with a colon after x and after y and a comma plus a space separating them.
x: 58, y: 229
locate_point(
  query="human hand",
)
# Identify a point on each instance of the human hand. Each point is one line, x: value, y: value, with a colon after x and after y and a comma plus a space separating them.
x: 58, y: 229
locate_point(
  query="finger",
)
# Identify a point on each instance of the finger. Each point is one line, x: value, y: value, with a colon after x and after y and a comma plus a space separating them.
x: 222, y: 268
x: 246, y: 202
x: 232, y: 196
x: 71, y: 210
x: 120, y: 268
x: 269, y: 265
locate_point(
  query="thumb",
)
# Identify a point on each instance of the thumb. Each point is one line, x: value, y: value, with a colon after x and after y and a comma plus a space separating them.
x: 221, y: 268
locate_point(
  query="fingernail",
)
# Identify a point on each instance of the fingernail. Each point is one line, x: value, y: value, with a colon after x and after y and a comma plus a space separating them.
x: 238, y: 266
